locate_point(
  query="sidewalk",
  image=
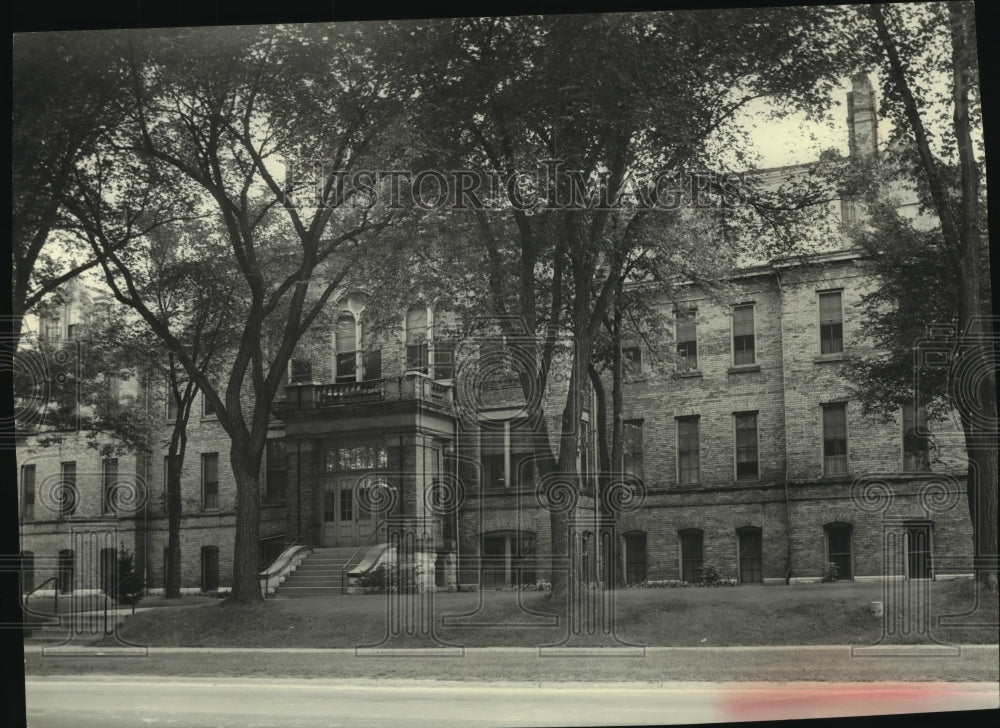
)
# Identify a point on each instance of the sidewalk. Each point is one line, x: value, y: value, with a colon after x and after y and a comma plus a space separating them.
x: 830, y: 663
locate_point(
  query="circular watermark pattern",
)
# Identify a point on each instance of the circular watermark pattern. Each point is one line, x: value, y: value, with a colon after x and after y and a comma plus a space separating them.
x: 939, y: 496
x: 58, y: 496
x: 871, y: 494
x: 126, y: 496
x: 623, y: 495
x: 445, y: 496
x: 557, y: 493
x: 375, y: 493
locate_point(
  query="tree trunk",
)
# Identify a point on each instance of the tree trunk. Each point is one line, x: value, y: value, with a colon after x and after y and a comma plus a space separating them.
x: 618, y: 424
x: 175, y: 465
x: 246, y: 569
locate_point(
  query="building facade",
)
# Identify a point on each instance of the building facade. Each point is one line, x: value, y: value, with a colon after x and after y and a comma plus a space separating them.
x: 747, y: 456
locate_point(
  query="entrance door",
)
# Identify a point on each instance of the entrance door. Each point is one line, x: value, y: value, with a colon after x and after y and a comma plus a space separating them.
x: 347, y: 519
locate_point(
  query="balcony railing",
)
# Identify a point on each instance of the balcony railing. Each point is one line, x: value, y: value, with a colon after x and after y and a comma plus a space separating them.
x: 410, y: 386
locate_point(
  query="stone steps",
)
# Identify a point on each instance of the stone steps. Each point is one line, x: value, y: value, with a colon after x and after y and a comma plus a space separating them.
x: 321, y: 572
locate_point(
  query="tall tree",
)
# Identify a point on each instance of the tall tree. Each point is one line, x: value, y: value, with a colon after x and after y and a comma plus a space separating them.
x: 215, y: 113
x: 936, y: 274
x: 612, y: 98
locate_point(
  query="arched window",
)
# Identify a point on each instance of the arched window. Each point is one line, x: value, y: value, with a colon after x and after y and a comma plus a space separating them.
x: 838, y: 549
x: 66, y: 565
x: 692, y: 554
x: 346, y: 344
x: 209, y: 568
x: 416, y: 339
x: 635, y: 557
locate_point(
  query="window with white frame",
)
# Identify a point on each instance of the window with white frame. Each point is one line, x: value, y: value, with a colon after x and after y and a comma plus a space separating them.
x: 916, y: 441
x: 416, y: 339
x: 686, y: 333
x: 346, y: 344
x: 688, y: 456
x: 835, y: 439
x: 747, y: 458
x: 109, y: 469
x: 831, y: 323
x: 632, y: 448
x: 210, y: 481
x: 744, y: 344
x: 632, y: 362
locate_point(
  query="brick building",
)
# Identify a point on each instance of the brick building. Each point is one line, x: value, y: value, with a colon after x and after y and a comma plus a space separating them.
x: 753, y: 458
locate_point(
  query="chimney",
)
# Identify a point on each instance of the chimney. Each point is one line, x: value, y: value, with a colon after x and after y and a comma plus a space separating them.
x: 861, y: 121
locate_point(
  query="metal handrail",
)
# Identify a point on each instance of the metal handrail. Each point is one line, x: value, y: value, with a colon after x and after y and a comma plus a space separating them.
x: 301, y: 536
x: 373, y: 534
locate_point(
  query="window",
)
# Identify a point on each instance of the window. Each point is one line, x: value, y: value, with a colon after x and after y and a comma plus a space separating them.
x: 831, y: 323
x: 65, y: 575
x: 688, y: 464
x: 508, y: 558
x: 635, y: 557
x: 276, y: 476
x: 207, y: 408
x: 506, y: 455
x: 751, y: 561
x: 73, y: 332
x: 687, y: 341
x: 371, y: 364
x: 743, y: 335
x: 848, y: 213
x: 360, y: 457
x: 210, y: 481
x: 834, y: 439
x: 444, y: 360
x: 747, y: 467
x: 632, y: 362
x: 27, y: 492
x: 51, y: 330
x: 301, y: 371
x: 209, y: 568
x: 67, y: 489
x: 632, y: 448
x: 918, y: 551
x: 838, y: 549
x: 692, y: 555
x: 492, y: 465
x: 109, y: 475
x: 916, y: 443
x: 345, y: 342
x: 416, y: 339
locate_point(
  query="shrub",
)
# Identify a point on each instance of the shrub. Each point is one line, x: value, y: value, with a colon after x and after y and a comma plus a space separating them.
x: 830, y: 572
x: 387, y: 577
x: 708, y: 575
x: 130, y: 586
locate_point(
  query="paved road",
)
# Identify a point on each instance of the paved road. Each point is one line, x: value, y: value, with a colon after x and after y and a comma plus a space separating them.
x: 108, y: 702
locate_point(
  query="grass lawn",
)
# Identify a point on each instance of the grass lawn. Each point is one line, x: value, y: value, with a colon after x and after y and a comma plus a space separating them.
x: 808, y: 614
x: 67, y: 604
